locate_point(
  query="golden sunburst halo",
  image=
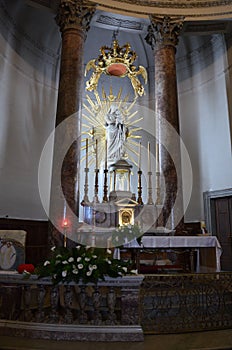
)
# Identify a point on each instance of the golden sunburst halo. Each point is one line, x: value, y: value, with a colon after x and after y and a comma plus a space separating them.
x: 93, y: 125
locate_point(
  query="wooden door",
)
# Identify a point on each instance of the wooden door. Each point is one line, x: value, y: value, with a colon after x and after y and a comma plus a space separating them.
x: 223, y: 225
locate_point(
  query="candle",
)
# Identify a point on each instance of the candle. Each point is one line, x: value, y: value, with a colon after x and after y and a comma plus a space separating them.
x: 96, y: 156
x: 65, y: 221
x: 139, y: 156
x: 106, y: 155
x: 64, y: 212
x: 157, y: 157
x: 86, y: 153
x: 148, y: 157
x: 65, y: 225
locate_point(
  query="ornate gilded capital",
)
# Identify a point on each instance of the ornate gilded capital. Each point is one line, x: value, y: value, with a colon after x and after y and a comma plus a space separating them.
x: 75, y: 14
x: 164, y: 31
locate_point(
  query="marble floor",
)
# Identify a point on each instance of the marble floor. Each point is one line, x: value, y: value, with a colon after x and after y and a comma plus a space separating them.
x: 211, y: 340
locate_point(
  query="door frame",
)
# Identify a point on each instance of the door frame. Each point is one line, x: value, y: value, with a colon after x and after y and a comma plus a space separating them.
x: 209, y: 207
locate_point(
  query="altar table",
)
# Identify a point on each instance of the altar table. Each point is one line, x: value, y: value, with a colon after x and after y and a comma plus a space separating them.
x: 208, y: 249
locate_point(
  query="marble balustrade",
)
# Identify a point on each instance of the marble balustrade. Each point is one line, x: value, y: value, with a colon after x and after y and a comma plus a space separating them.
x: 36, y: 308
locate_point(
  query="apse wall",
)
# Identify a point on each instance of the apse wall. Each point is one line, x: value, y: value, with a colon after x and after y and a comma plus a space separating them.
x: 204, y: 119
x: 28, y: 92
x: 30, y: 46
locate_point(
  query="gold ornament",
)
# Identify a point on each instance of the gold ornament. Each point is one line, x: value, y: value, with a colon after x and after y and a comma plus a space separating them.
x: 116, y: 61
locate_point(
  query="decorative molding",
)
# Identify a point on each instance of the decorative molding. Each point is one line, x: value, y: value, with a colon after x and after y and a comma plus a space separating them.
x: 176, y: 4
x: 179, y: 4
x: 164, y: 31
x: 146, y: 8
x: 191, y: 9
x: 206, y: 28
x: 73, y: 14
x: 120, y: 23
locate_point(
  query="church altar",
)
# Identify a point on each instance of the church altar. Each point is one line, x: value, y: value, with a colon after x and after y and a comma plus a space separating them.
x: 208, y: 249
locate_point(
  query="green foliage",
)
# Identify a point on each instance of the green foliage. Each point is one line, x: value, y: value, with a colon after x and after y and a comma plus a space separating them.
x: 82, y: 263
x: 125, y: 234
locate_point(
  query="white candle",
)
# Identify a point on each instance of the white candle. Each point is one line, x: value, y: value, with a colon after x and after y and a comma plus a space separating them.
x: 157, y: 157
x: 106, y: 154
x: 96, y: 156
x: 139, y: 156
x: 148, y: 157
x: 64, y: 213
x: 65, y: 225
x: 86, y: 153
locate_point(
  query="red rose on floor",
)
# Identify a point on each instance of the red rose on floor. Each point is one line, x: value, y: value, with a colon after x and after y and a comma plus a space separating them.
x: 26, y: 267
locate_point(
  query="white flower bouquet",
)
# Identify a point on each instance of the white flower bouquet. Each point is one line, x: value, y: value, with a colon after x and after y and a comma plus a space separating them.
x: 85, y: 264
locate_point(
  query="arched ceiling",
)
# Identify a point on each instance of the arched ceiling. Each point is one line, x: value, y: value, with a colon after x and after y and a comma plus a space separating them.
x: 191, y: 10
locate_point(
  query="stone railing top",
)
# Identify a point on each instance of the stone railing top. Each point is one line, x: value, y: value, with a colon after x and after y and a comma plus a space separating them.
x: 7, y: 277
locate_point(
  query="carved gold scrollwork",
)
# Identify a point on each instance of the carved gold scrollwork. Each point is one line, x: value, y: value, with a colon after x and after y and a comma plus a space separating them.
x: 75, y: 14
x: 164, y: 31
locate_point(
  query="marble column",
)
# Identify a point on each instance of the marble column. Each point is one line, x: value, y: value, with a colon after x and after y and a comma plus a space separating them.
x: 73, y: 18
x: 163, y: 36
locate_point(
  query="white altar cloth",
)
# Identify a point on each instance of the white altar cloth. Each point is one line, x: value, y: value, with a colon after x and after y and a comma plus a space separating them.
x: 195, y: 242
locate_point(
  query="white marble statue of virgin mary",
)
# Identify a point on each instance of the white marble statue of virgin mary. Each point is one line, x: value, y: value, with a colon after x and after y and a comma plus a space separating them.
x: 116, y: 134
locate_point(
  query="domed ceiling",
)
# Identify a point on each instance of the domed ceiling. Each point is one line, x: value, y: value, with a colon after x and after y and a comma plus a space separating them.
x: 191, y: 10
x: 187, y: 8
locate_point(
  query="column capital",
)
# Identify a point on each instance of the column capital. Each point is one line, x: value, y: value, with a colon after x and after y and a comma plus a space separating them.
x: 75, y: 14
x: 164, y: 31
